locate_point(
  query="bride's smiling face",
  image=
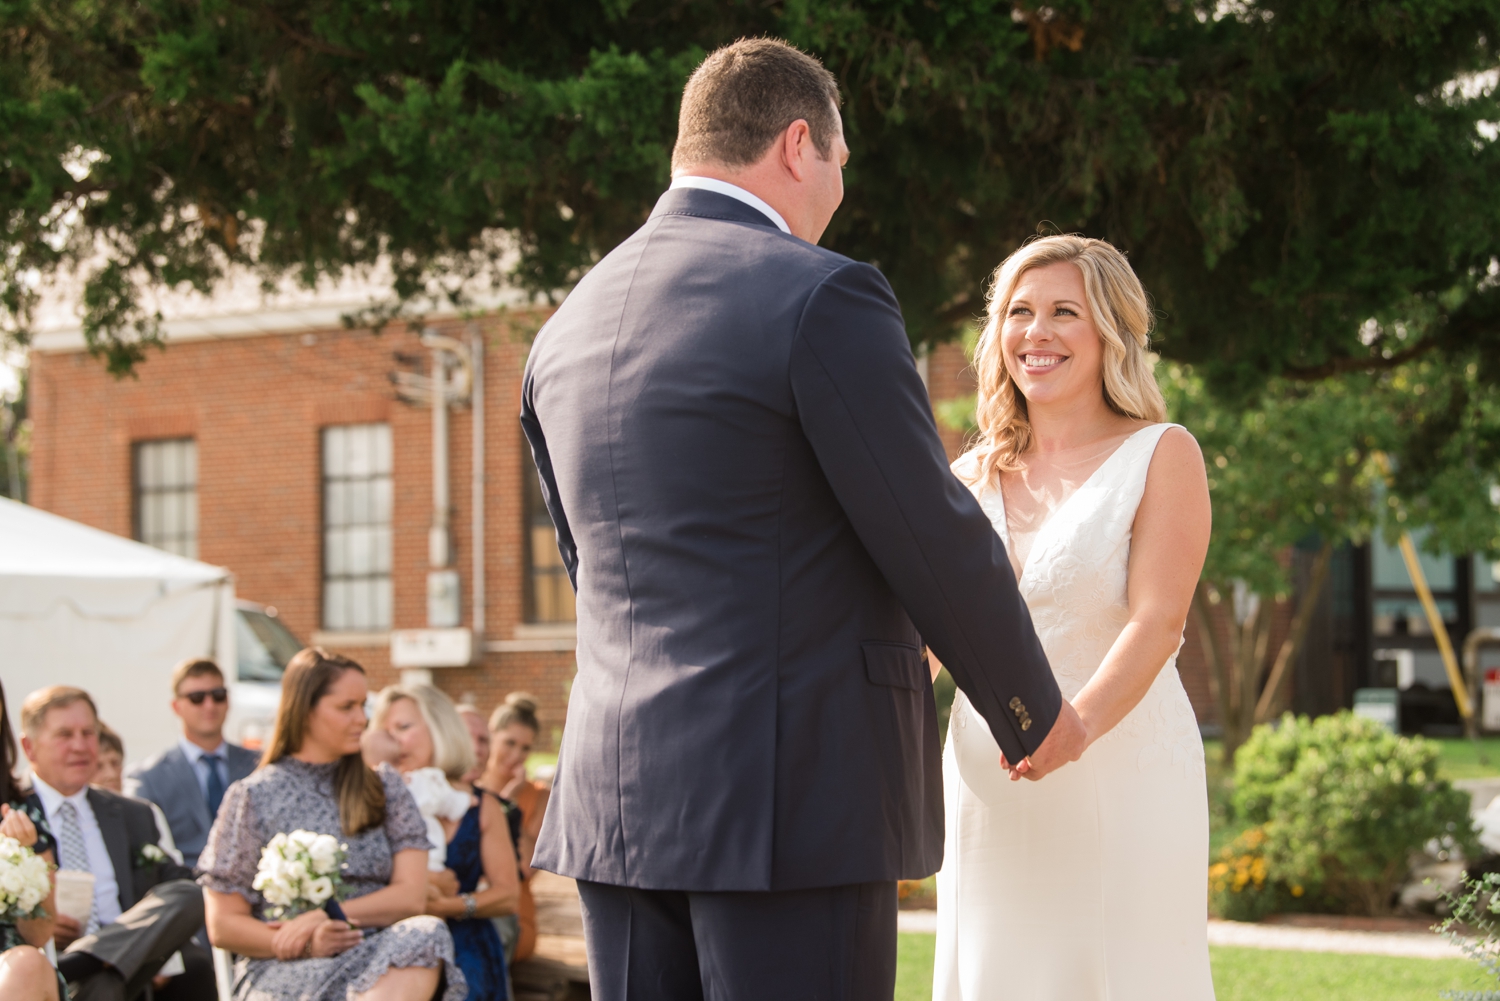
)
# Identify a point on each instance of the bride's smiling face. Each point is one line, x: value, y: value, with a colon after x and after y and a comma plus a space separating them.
x: 1052, y: 348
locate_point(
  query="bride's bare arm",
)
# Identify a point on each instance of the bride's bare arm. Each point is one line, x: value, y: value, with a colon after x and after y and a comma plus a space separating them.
x: 1168, y: 543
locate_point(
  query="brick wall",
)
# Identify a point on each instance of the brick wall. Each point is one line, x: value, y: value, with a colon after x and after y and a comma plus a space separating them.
x: 256, y: 406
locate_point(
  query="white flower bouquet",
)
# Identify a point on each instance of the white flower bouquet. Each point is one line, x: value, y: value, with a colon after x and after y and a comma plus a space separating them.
x: 24, y: 882
x: 300, y: 872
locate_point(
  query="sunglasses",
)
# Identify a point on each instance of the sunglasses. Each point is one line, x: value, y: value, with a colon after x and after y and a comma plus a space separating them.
x: 217, y: 694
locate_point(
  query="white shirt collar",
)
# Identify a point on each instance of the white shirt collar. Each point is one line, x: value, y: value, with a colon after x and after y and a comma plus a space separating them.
x: 52, y: 799
x: 733, y: 191
x: 194, y: 753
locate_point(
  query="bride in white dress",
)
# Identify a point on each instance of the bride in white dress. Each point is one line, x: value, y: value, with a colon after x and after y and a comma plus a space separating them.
x: 1089, y: 883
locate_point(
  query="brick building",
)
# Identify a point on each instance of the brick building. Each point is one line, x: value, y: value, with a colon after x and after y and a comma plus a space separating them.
x: 277, y: 445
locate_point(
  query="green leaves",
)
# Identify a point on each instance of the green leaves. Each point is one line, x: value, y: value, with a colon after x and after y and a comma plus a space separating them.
x: 1280, y: 173
x: 1345, y: 803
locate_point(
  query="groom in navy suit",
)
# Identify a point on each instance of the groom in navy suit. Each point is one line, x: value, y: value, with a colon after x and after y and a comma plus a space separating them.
x: 757, y: 514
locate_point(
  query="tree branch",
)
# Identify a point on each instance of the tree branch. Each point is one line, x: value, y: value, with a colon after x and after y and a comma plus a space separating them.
x: 1371, y: 363
x: 1297, y: 634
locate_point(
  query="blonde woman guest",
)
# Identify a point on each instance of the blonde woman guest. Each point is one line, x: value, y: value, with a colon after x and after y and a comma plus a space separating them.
x: 1089, y: 884
x: 429, y: 733
x: 313, y: 778
x: 513, y: 732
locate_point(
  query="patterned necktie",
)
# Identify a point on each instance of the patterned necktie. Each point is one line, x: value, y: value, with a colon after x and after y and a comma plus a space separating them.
x: 72, y: 853
x: 215, y: 784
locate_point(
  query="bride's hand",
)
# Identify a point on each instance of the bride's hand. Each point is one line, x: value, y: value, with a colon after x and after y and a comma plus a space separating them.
x: 1065, y: 742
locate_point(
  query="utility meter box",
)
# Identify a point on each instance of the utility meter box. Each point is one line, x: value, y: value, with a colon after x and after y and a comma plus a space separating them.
x: 1383, y: 705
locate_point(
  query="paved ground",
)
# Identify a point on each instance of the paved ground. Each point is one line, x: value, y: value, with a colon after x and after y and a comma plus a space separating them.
x: 1416, y: 943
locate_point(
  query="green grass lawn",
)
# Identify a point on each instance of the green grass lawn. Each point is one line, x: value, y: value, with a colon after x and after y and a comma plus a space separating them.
x: 1265, y: 975
x: 1469, y: 759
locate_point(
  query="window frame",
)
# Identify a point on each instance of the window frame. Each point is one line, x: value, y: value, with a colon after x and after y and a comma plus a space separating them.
x: 352, y: 623
x: 139, y: 492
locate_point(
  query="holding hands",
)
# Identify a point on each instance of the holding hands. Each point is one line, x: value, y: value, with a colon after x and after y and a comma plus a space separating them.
x: 1065, y: 742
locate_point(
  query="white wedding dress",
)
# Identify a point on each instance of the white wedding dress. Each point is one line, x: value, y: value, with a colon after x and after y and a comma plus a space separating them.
x: 1091, y: 883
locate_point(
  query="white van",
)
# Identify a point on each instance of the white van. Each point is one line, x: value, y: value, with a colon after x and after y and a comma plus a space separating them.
x: 263, y: 646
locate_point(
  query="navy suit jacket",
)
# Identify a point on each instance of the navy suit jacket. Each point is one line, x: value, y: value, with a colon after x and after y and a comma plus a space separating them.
x: 169, y: 781
x: 756, y: 511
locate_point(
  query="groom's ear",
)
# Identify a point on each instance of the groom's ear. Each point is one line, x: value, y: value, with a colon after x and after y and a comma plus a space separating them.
x: 796, y: 147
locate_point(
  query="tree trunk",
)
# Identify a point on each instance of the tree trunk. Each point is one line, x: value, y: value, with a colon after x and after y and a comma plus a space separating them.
x: 1235, y: 674
x: 1295, y: 637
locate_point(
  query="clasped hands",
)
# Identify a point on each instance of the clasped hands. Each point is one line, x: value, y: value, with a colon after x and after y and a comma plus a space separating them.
x: 1065, y: 742
x: 313, y: 934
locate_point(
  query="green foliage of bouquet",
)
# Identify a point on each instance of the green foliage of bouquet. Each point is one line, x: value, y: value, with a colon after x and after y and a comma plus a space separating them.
x: 1475, y: 911
x: 1344, y: 804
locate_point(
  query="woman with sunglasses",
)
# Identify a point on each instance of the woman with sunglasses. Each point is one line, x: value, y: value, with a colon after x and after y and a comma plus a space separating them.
x: 188, y: 781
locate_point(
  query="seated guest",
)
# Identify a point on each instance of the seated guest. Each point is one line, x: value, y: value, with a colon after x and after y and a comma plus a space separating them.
x: 188, y: 781
x: 25, y: 973
x: 111, y: 776
x: 145, y: 905
x: 431, y: 736
x: 479, y: 734
x: 314, y: 779
x: 513, y: 732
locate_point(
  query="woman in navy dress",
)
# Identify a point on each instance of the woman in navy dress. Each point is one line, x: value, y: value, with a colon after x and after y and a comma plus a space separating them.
x: 427, y: 732
x: 476, y: 943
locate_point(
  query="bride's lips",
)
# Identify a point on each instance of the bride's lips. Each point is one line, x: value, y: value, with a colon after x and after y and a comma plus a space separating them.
x: 1039, y: 362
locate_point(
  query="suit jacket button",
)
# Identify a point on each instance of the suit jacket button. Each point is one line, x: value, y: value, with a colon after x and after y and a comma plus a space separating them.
x: 1026, y: 723
x: 1015, y: 705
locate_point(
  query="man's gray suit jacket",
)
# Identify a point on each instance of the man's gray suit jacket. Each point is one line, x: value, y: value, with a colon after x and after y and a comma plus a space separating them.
x: 169, y: 781
x: 757, y: 514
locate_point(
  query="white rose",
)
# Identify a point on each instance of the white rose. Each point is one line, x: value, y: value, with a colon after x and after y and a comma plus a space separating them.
x: 324, y: 854
x: 319, y: 890
x: 302, y: 839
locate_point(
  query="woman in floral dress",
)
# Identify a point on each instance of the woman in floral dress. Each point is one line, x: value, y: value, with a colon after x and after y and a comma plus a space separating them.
x: 25, y: 973
x: 313, y: 779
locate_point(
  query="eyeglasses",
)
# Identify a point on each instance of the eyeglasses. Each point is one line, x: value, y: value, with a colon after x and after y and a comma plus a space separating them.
x: 220, y: 695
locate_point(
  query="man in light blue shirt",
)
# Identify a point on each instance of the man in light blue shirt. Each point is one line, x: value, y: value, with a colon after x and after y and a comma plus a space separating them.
x: 188, y: 781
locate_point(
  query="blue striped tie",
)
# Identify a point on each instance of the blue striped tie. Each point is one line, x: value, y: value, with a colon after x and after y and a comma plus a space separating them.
x: 72, y: 854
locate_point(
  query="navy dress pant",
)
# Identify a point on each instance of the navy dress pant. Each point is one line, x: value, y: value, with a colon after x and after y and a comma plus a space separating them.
x: 831, y: 944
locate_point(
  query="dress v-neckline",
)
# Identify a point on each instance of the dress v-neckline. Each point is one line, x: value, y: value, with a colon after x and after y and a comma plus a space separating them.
x: 1037, y: 537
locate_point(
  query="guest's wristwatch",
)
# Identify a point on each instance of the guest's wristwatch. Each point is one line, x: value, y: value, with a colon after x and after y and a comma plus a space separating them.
x: 470, y: 905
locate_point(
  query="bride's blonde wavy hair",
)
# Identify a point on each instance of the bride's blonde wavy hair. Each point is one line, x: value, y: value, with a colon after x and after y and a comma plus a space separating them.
x: 1122, y: 315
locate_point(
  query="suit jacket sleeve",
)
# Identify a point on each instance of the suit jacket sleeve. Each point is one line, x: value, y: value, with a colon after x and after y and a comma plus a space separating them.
x: 865, y: 411
x: 543, y: 459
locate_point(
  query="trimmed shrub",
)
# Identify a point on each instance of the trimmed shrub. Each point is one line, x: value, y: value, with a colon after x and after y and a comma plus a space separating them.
x: 1344, y: 804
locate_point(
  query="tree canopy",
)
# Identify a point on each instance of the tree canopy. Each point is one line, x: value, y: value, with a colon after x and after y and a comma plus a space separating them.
x: 1306, y: 186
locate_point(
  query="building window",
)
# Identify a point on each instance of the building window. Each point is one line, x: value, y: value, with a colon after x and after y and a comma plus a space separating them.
x: 357, y: 527
x: 1398, y: 611
x: 166, y: 495
x: 549, y: 591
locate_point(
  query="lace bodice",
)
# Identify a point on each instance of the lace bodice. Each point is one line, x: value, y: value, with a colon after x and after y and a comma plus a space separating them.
x: 1074, y: 582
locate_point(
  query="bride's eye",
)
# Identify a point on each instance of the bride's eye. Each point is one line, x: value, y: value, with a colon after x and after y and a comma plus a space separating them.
x: 1018, y: 311
x: 1064, y: 311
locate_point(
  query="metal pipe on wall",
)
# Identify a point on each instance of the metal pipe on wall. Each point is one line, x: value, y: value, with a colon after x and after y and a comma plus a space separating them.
x: 437, y: 536
x: 476, y: 498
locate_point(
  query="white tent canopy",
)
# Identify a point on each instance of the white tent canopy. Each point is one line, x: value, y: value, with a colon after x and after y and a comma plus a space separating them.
x: 79, y: 606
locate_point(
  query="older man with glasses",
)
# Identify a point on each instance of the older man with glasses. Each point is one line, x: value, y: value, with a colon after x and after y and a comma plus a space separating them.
x: 188, y: 781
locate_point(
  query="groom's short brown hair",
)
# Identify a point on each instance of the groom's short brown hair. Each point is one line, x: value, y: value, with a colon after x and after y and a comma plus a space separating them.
x: 745, y: 95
